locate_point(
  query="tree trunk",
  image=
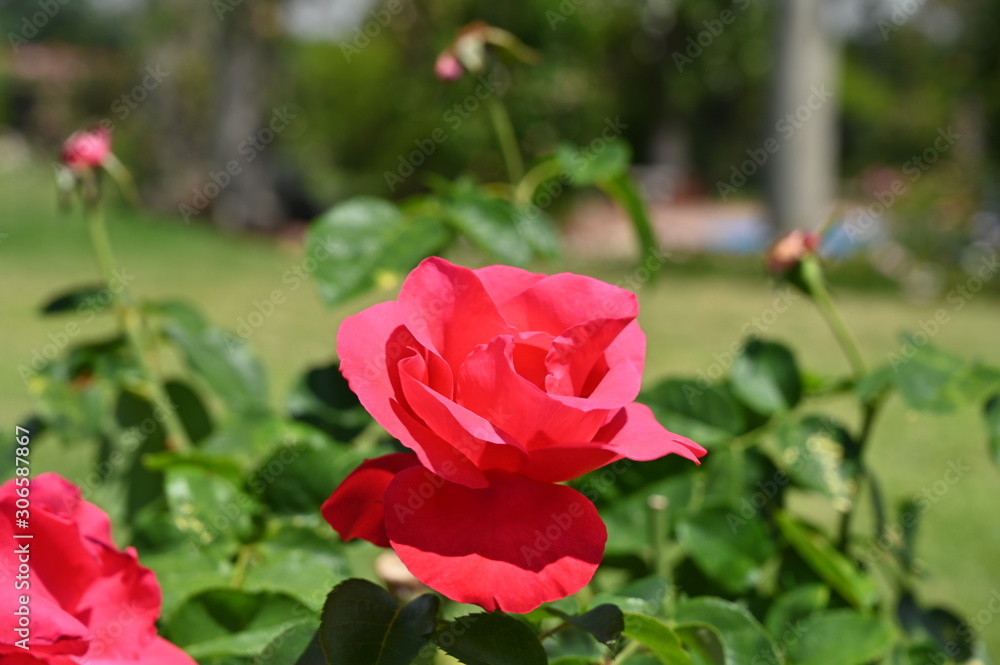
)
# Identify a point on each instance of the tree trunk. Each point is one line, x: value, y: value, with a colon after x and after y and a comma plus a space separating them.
x: 804, y: 170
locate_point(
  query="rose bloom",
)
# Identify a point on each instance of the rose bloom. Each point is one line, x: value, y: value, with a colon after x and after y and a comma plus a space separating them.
x: 83, y: 150
x: 790, y: 249
x: 503, y: 383
x: 89, y: 603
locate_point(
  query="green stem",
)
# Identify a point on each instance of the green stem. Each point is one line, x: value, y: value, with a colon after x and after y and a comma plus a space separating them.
x: 533, y: 179
x: 130, y: 316
x: 625, y: 653
x: 843, y: 334
x: 508, y: 142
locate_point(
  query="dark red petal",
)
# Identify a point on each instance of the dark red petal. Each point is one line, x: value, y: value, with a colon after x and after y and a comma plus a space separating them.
x: 354, y: 510
x: 511, y: 546
x: 447, y: 309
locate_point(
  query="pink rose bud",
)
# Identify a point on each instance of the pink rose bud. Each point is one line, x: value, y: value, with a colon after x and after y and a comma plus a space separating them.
x: 84, y: 150
x: 790, y: 249
x: 447, y: 67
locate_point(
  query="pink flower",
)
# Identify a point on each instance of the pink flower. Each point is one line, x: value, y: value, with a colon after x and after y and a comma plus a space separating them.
x: 89, y: 602
x: 447, y: 67
x: 790, y: 249
x: 503, y: 383
x: 84, y: 150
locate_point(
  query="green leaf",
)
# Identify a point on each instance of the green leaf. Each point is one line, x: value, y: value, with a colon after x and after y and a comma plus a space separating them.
x: 94, y: 298
x: 991, y: 412
x: 142, y: 433
x: 947, y: 631
x: 291, y: 645
x: 838, y: 637
x: 605, y: 622
x: 875, y: 383
x: 625, y: 191
x: 744, y: 640
x: 362, y: 625
x: 190, y: 409
x: 731, y: 551
x: 297, y: 561
x: 491, y: 224
x: 656, y: 636
x: 589, y: 167
x: 538, y: 229
x: 323, y: 399
x: 301, y: 473
x: 703, y: 412
x: 365, y: 242
x: 231, y: 622
x: 795, y: 605
x: 221, y: 359
x: 184, y: 572
x: 817, y: 454
x: 703, y: 641
x: 491, y: 639
x: 208, y: 507
x: 930, y: 379
x: 766, y: 377
x: 833, y: 567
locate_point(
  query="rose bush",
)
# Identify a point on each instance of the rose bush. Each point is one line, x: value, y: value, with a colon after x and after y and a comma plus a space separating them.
x: 89, y: 602
x: 503, y: 383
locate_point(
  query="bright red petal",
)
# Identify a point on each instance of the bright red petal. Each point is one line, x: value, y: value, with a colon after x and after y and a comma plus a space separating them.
x: 505, y: 282
x: 562, y: 301
x: 354, y: 510
x: 488, y: 385
x: 448, y: 310
x: 511, y: 546
x: 636, y: 434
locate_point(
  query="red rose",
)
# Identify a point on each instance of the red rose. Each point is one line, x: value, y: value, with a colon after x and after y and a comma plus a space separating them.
x: 503, y: 383
x: 84, y: 150
x: 88, y: 602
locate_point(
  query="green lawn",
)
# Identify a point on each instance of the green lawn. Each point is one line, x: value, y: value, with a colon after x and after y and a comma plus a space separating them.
x: 691, y: 322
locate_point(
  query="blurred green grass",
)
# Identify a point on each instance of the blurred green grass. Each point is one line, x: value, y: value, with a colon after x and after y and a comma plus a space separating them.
x: 693, y: 319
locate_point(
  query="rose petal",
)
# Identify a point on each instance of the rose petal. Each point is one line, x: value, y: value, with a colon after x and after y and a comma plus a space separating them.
x: 487, y: 384
x: 505, y: 282
x: 121, y: 606
x: 562, y: 301
x: 511, y: 546
x: 354, y: 510
x: 371, y: 345
x: 635, y: 433
x: 574, y: 355
x: 477, y: 439
x: 448, y: 310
